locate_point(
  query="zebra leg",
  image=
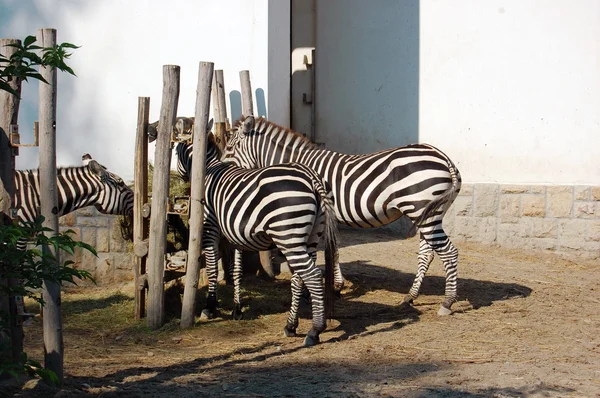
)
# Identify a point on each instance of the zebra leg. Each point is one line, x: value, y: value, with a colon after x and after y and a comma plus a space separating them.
x: 211, y: 252
x: 304, y: 266
x: 425, y: 259
x: 237, y: 279
x: 439, y: 241
x: 292, y: 323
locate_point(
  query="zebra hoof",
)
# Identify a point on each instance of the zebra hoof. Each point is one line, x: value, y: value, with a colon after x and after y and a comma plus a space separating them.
x: 237, y: 314
x: 408, y: 299
x: 311, y: 340
x: 207, y: 314
x: 289, y: 332
x: 443, y: 311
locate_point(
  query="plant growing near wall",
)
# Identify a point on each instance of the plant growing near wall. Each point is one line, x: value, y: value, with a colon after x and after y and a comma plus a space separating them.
x: 33, y: 266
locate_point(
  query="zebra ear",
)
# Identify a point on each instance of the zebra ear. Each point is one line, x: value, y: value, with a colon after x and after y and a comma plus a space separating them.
x: 248, y: 125
x: 209, y: 126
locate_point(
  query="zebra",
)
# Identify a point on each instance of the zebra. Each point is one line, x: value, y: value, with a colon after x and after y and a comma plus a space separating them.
x: 78, y: 187
x: 370, y: 190
x: 288, y: 206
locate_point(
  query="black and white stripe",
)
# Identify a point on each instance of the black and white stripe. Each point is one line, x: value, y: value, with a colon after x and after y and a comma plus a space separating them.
x: 370, y: 190
x: 287, y: 206
x: 78, y: 187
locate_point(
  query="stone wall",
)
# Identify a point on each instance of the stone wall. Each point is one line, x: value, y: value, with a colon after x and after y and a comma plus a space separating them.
x: 114, y: 263
x: 563, y: 219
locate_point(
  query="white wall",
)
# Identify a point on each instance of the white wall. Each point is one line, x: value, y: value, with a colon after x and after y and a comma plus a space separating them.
x: 511, y: 89
x: 124, y: 44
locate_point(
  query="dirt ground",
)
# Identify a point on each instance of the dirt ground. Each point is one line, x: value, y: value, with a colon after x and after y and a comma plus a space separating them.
x: 527, y: 324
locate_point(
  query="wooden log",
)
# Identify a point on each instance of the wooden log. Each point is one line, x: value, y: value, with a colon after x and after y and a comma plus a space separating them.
x: 52, y: 320
x: 140, y: 198
x: 247, y: 106
x: 205, y: 75
x: 9, y: 112
x: 248, y: 110
x: 160, y: 193
x: 220, y: 107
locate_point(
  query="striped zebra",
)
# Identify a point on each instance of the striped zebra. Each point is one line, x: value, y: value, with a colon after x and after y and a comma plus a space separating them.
x: 78, y: 187
x: 370, y: 190
x: 287, y: 206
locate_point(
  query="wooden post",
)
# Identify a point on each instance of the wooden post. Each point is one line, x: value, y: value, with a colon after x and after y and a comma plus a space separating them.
x: 248, y: 110
x: 205, y: 74
x: 160, y: 193
x: 140, y: 195
x: 220, y: 117
x: 52, y: 321
x: 220, y: 106
x: 9, y: 106
x: 247, y: 106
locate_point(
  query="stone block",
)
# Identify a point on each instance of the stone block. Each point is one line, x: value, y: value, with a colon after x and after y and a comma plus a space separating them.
x: 560, y: 201
x: 582, y: 192
x: 486, y: 200
x: 102, y: 221
x: 68, y: 219
x: 466, y: 190
x: 104, y: 268
x: 572, y: 233
x: 117, y: 243
x: 463, y: 206
x: 87, y: 221
x: 102, y: 239
x: 508, y: 235
x: 539, y: 244
x: 514, y: 188
x: 593, y: 231
x: 585, y: 209
x: 596, y: 193
x: 538, y: 228
x: 510, y: 208
x: 466, y: 228
x: 88, y: 211
x: 88, y: 262
x: 533, y: 205
x: 538, y: 189
x: 124, y: 261
x: 487, y: 232
x: 88, y: 235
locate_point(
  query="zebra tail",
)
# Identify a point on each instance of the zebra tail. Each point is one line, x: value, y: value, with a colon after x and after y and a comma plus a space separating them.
x: 331, y: 250
x: 446, y: 197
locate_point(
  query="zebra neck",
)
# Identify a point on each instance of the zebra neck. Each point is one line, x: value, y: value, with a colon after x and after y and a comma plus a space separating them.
x: 77, y: 188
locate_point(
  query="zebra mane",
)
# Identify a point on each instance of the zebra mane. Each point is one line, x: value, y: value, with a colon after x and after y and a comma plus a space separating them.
x: 261, y: 124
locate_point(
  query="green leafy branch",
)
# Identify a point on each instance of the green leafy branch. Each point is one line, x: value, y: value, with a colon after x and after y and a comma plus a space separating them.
x: 21, y: 65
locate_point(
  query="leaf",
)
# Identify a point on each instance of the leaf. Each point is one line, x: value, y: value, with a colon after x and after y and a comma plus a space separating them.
x: 29, y: 40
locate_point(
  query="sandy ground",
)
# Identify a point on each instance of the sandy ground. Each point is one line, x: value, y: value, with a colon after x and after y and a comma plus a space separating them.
x: 527, y: 324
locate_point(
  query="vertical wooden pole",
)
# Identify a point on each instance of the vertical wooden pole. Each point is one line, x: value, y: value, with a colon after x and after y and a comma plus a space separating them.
x: 313, y: 86
x: 247, y: 106
x: 205, y: 75
x: 248, y: 110
x: 220, y: 117
x: 220, y: 106
x: 9, y: 112
x: 140, y: 195
x: 52, y: 321
x: 160, y: 192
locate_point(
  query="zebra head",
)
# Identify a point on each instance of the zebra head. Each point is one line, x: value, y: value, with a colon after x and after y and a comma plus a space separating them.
x: 185, y: 152
x: 113, y: 195
x: 239, y: 149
